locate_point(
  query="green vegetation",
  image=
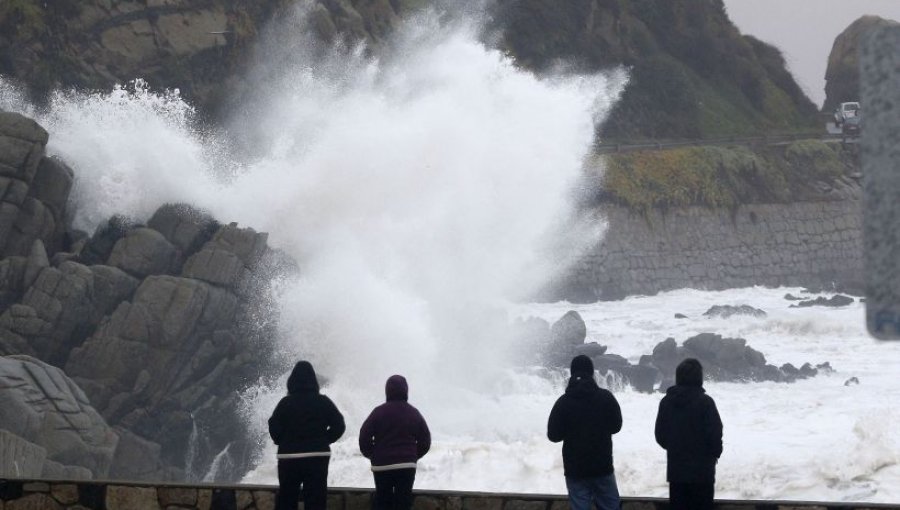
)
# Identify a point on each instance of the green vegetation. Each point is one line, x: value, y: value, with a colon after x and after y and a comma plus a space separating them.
x: 720, y: 177
x: 22, y: 18
x: 692, y: 74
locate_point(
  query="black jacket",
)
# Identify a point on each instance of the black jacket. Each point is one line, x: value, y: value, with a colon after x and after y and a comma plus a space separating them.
x: 689, y: 428
x: 305, y: 421
x: 584, y: 419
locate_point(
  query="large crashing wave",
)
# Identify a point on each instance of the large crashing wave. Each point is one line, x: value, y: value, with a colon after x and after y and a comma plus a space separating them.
x: 417, y: 191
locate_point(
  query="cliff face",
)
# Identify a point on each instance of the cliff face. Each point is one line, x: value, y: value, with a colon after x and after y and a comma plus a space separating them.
x: 197, y: 46
x: 693, y: 73
x: 842, y: 75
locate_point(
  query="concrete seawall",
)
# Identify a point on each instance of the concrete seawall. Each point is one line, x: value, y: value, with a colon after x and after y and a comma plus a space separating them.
x: 57, y: 495
x: 799, y: 244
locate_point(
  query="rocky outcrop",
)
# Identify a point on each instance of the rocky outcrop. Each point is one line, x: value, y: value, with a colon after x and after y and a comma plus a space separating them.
x: 842, y: 74
x: 677, y: 50
x: 726, y: 311
x: 834, y: 301
x: 689, y: 64
x: 154, y: 323
x: 200, y: 47
x: 48, y: 427
x: 723, y: 359
x: 33, y: 189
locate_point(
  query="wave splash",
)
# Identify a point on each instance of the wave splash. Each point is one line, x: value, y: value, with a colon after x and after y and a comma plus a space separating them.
x: 419, y: 191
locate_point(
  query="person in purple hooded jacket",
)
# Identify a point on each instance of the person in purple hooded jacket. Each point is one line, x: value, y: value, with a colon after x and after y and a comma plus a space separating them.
x: 394, y: 437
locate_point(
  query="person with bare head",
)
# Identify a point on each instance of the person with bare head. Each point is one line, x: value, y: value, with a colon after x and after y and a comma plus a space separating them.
x: 689, y: 428
x: 303, y: 425
x: 394, y: 437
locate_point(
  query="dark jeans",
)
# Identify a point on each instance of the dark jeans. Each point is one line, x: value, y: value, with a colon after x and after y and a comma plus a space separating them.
x: 393, y: 489
x: 601, y: 490
x: 691, y: 496
x: 312, y: 474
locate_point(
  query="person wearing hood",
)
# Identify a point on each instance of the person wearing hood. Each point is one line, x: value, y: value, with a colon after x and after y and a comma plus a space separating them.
x: 584, y: 418
x: 689, y: 428
x: 394, y: 437
x: 303, y: 425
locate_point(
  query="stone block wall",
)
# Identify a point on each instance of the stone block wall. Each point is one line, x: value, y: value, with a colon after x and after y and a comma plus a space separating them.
x: 59, y: 495
x: 797, y: 244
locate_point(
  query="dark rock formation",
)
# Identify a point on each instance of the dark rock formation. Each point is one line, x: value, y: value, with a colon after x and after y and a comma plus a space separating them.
x: 726, y: 311
x: 48, y: 428
x: 157, y: 325
x: 201, y: 47
x: 834, y: 301
x: 33, y: 188
x: 677, y: 50
x: 842, y: 74
x: 688, y: 61
x: 724, y: 359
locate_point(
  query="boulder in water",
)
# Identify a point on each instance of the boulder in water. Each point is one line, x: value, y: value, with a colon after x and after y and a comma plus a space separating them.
x: 569, y: 330
x: 726, y: 311
x: 834, y: 302
x: 724, y: 359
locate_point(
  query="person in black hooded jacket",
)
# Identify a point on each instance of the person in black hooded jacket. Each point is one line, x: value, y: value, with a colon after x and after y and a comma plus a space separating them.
x: 688, y: 426
x: 303, y: 426
x: 584, y: 419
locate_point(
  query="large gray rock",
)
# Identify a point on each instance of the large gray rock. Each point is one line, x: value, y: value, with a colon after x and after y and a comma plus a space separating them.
x: 173, y: 355
x: 20, y: 458
x: 43, y: 406
x: 52, y: 185
x: 22, y: 143
x: 726, y: 311
x: 570, y: 330
x: 54, y: 312
x: 215, y: 265
x: 35, y: 263
x: 187, y: 227
x: 144, y: 252
x: 12, y: 280
x: 723, y: 359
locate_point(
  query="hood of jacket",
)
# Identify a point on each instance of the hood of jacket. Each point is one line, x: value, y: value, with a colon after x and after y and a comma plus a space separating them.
x: 396, y: 388
x: 302, y: 379
x: 681, y: 394
x: 582, y: 385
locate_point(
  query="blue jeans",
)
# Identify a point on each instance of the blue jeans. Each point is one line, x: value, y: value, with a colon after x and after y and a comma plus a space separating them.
x: 602, y: 490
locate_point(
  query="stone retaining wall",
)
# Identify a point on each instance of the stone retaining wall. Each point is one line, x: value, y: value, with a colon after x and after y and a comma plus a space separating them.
x: 798, y: 244
x: 58, y: 495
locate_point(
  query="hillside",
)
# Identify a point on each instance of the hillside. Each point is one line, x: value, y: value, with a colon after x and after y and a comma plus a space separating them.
x: 842, y: 75
x: 692, y: 73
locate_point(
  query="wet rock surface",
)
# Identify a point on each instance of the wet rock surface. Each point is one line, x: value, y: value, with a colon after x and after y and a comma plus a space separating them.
x: 723, y: 359
x: 154, y: 325
x: 47, y: 418
x: 834, y: 302
x: 726, y: 311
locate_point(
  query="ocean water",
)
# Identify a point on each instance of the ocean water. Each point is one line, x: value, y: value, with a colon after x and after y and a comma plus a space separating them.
x: 420, y: 194
x: 815, y: 439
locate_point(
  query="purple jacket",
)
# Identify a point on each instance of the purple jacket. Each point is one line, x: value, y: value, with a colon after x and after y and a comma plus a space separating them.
x: 395, y: 432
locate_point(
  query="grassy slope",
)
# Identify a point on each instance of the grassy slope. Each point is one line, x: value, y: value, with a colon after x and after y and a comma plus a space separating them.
x: 721, y: 177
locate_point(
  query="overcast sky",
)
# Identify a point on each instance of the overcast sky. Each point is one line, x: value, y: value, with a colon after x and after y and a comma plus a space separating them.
x: 804, y: 30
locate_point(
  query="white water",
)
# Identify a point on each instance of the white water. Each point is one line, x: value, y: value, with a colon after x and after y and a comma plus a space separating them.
x: 417, y: 190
